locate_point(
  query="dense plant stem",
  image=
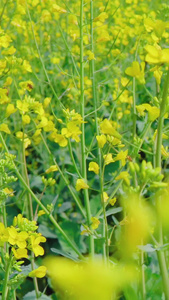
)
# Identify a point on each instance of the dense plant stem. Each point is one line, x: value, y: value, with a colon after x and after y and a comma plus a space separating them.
x: 5, y: 282
x: 160, y: 254
x: 82, y: 108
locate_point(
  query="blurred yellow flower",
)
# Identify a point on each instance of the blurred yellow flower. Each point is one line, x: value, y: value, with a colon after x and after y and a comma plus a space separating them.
x: 95, y: 223
x: 93, y: 166
x: 88, y: 280
x: 101, y: 139
x: 39, y: 272
x: 80, y: 184
x: 4, y: 127
x: 125, y: 176
x: 52, y: 168
x: 108, y: 158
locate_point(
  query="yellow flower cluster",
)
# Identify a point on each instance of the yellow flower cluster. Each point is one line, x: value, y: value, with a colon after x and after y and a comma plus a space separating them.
x: 22, y: 238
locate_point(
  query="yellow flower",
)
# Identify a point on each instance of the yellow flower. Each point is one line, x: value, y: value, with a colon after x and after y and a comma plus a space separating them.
x: 41, y: 212
x: 156, y: 55
x: 125, y: 176
x: 113, y: 201
x: 89, y: 280
x: 35, y: 247
x: 90, y: 55
x: 101, y: 18
x: 101, y: 139
x: 52, y: 168
x: 164, y: 151
x: 122, y: 155
x: 26, y: 119
x: 27, y: 66
x: 105, y: 197
x: 95, y: 223
x: 61, y: 140
x: 22, y: 106
x: 4, y: 127
x: 20, y: 253
x: 80, y: 184
x: 46, y: 102
x: 17, y: 238
x: 39, y: 272
x: 158, y: 74
x: 93, y: 166
x: 108, y: 158
x: 137, y: 71
x: 107, y: 128
x: 10, y: 109
x: 57, y: 8
x: 9, y: 192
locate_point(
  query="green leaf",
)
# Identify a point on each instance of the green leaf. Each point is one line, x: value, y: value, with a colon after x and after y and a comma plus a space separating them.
x: 65, y: 254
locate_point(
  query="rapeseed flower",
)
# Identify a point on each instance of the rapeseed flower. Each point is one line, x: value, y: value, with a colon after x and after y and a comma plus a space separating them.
x: 93, y: 166
x: 88, y: 280
x: 34, y: 244
x: 4, y: 127
x: 81, y: 185
x: 17, y: 238
x: 108, y: 158
x: 39, y: 272
x: 101, y: 139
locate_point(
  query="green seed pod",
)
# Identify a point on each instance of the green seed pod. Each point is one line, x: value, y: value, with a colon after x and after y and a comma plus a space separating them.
x: 132, y: 167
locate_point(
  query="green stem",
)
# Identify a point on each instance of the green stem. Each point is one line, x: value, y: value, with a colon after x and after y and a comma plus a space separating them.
x: 143, y: 286
x: 72, y: 157
x: 134, y: 108
x: 3, y: 10
x: 83, y: 150
x: 5, y: 282
x: 160, y: 254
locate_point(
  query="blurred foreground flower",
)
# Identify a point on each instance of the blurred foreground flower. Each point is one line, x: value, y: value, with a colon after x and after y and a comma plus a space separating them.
x: 92, y: 280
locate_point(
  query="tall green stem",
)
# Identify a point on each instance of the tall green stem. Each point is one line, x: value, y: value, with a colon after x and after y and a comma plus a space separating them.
x: 5, y: 282
x: 160, y: 254
x: 82, y: 106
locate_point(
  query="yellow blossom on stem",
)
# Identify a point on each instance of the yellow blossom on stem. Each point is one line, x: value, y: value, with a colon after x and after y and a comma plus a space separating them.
x: 90, y: 55
x: 101, y: 139
x: 108, y: 158
x: 125, y: 176
x: 105, y: 197
x: 95, y: 223
x: 10, y: 109
x: 20, y: 253
x: 52, y: 168
x: 35, y: 247
x: 112, y: 201
x: 136, y: 70
x: 4, y: 127
x: 122, y: 155
x: 17, y: 238
x: 39, y: 272
x: 107, y: 128
x: 81, y: 185
x: 93, y: 166
x: 156, y: 55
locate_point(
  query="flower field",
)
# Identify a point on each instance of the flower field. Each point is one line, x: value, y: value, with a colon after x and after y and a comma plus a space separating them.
x: 84, y: 151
